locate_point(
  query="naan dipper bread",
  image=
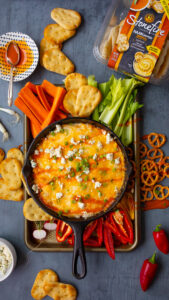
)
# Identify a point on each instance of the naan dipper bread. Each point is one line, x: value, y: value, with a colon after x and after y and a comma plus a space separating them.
x: 69, y: 101
x: 57, y: 34
x: 81, y: 102
x: 16, y: 153
x: 10, y: 169
x: 60, y: 291
x: 66, y: 18
x: 43, y: 277
x: 56, y: 61
x: 33, y: 212
x: 88, y: 97
x: 75, y: 81
x: 7, y: 194
x: 122, y: 42
x: 109, y: 42
x: 46, y: 45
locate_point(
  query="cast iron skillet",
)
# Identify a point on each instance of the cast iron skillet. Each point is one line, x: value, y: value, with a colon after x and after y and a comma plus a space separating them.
x: 79, y: 224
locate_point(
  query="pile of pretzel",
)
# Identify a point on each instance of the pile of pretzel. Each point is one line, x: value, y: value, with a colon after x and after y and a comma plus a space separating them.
x: 154, y: 169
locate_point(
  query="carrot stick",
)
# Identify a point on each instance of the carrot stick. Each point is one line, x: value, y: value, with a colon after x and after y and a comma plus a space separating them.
x: 60, y: 93
x: 31, y: 86
x: 33, y: 103
x: 34, y: 130
x: 155, y: 204
x: 49, y: 88
x: 42, y: 97
x: 23, y: 107
x: 49, y: 98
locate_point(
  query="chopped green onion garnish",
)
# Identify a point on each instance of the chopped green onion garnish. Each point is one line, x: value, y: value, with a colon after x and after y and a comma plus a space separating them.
x: 99, y: 193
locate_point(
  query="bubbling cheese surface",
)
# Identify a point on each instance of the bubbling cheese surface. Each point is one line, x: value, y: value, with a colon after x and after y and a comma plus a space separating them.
x: 78, y: 170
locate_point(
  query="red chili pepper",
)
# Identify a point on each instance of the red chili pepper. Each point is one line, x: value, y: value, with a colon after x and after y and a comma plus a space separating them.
x: 148, y: 272
x: 108, y: 241
x: 63, y: 230
x: 89, y: 230
x: 100, y: 231
x: 111, y: 224
x: 91, y: 241
x: 123, y: 225
x: 161, y: 239
x: 71, y: 240
x: 128, y: 225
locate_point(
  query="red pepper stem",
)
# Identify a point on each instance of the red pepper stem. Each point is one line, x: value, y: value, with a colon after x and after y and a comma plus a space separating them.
x: 153, y: 258
x: 157, y: 229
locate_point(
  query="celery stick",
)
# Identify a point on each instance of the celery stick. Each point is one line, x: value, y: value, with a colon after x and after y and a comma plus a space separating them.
x: 92, y: 81
x: 127, y: 134
x: 95, y: 114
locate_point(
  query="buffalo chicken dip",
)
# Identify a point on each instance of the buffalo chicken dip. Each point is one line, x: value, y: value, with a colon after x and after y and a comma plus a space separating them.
x: 78, y: 170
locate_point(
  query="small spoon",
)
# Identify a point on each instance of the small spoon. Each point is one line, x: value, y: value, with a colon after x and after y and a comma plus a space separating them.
x: 13, y: 58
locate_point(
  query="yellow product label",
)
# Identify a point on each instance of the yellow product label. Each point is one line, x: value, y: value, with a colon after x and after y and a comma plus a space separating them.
x: 165, y: 4
x: 141, y: 38
x: 153, y: 49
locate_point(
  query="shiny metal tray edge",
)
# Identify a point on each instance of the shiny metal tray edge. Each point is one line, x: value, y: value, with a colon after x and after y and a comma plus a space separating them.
x: 43, y: 247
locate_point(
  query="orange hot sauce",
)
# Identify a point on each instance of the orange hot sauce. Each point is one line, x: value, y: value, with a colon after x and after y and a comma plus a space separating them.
x: 26, y: 58
x: 12, y: 54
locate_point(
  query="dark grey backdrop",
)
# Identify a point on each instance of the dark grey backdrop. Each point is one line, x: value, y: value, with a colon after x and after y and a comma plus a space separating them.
x: 106, y: 279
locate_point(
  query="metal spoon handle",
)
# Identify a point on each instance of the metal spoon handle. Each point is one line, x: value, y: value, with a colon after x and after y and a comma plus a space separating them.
x: 10, y: 89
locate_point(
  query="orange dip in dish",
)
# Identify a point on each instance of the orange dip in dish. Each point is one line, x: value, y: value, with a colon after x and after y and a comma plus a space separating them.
x: 78, y: 170
x: 26, y: 58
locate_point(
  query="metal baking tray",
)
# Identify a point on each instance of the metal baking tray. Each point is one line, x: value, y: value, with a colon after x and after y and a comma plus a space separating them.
x: 50, y: 244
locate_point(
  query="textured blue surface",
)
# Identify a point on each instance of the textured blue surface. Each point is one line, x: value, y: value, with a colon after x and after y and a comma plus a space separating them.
x: 106, y: 279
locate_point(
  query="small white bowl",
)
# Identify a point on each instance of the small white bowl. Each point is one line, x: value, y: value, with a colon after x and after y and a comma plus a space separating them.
x: 14, y: 258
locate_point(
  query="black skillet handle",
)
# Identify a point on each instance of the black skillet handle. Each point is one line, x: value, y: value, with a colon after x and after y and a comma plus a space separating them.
x: 78, y: 252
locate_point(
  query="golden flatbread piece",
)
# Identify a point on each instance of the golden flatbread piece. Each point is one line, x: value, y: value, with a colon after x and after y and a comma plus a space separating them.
x: 46, y: 45
x: 75, y: 81
x: 42, y: 278
x: 7, y: 194
x: 67, y: 18
x: 88, y: 97
x: 32, y: 212
x: 122, y: 42
x: 57, y: 34
x: 16, y: 153
x: 109, y: 41
x: 10, y: 170
x: 60, y: 291
x: 56, y: 61
x: 2, y: 155
x: 69, y: 101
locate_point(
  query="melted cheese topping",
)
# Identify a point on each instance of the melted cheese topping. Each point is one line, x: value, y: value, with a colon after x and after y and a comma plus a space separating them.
x: 78, y: 170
